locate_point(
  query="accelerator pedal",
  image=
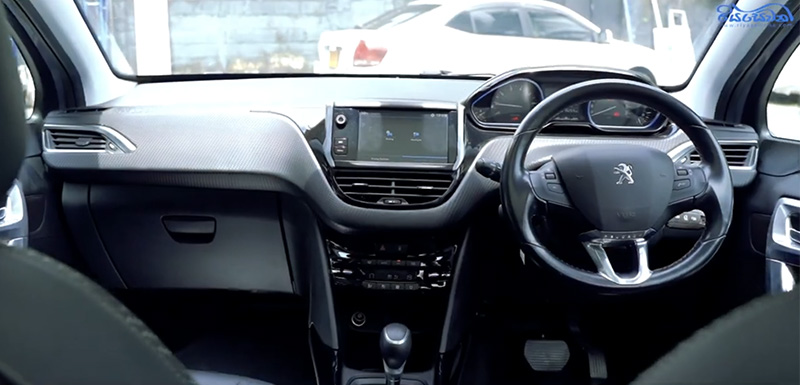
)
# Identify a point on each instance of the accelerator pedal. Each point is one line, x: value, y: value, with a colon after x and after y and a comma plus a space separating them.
x: 546, y: 355
x: 597, y: 366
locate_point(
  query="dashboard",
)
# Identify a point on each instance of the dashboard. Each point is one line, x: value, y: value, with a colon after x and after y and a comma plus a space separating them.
x: 363, y: 152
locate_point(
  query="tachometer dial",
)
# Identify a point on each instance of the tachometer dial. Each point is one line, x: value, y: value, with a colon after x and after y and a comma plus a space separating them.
x: 608, y: 112
x: 612, y: 113
x: 643, y: 115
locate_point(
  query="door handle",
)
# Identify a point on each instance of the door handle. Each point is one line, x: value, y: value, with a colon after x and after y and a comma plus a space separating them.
x: 190, y: 228
x: 783, y: 242
x: 794, y: 235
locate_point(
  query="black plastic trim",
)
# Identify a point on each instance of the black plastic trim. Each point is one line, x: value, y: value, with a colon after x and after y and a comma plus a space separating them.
x: 75, y: 202
x: 66, y: 82
x: 309, y: 262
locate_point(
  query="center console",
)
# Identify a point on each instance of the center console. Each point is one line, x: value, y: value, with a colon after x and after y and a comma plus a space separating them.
x: 376, y: 283
x: 391, y: 155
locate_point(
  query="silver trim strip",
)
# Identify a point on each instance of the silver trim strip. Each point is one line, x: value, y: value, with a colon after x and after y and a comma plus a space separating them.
x: 779, y: 277
x: 17, y: 242
x: 123, y: 143
x: 597, y: 252
x: 14, y: 210
x: 326, y: 145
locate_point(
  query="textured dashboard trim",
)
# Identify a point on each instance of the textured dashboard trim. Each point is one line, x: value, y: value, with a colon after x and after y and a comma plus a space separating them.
x: 266, y: 151
x: 243, y: 150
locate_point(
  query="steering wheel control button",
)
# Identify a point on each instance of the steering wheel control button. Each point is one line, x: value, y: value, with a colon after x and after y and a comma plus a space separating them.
x: 691, y: 220
x: 550, y: 176
x: 556, y: 188
x: 683, y: 172
x: 681, y: 184
x: 340, y: 120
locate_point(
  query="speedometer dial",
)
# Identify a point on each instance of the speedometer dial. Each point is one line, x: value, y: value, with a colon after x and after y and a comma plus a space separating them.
x: 613, y: 113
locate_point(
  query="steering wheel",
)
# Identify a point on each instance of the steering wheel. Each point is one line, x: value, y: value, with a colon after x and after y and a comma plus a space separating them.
x: 625, y: 191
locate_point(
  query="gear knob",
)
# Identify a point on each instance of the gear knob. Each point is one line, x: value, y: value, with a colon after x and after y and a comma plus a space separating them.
x: 395, y: 349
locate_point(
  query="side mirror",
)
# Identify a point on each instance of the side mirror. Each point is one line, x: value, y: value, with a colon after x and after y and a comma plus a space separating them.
x: 606, y: 36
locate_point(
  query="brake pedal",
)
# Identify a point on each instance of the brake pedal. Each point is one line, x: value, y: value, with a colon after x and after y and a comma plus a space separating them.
x: 546, y: 355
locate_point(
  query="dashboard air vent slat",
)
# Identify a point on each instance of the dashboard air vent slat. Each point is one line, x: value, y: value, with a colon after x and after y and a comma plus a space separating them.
x: 411, y: 188
x: 737, y: 155
x: 76, y: 140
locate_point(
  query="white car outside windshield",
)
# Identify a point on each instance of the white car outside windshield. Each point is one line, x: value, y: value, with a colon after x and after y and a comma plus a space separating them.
x: 661, y: 39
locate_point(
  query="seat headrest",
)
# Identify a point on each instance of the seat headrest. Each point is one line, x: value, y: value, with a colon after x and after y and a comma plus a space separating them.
x: 12, y: 112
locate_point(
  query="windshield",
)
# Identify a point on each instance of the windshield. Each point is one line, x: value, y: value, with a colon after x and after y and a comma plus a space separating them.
x: 661, y: 39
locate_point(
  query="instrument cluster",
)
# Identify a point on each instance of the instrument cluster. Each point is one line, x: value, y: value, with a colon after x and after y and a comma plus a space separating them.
x: 507, y: 103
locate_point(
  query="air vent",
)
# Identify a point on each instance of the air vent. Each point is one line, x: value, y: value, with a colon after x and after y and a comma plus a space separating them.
x: 391, y: 188
x: 85, y: 110
x: 737, y: 155
x: 76, y: 140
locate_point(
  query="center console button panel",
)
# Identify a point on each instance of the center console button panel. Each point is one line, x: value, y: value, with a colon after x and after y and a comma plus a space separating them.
x: 392, y: 267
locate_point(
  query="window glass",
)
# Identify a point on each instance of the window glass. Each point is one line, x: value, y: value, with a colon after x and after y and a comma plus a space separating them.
x: 783, y: 109
x: 502, y: 22
x: 552, y: 25
x: 462, y: 22
x: 25, y: 79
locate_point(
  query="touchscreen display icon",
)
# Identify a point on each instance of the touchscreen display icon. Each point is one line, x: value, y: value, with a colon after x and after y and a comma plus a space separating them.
x: 389, y: 135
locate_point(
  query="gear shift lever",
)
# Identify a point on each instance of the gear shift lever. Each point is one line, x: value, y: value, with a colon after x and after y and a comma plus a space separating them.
x: 395, y: 349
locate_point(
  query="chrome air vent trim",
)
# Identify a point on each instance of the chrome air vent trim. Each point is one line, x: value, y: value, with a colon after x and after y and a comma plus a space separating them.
x: 733, y: 149
x: 115, y: 142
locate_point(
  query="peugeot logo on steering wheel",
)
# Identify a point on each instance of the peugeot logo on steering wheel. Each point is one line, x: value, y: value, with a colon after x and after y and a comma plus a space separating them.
x: 625, y: 172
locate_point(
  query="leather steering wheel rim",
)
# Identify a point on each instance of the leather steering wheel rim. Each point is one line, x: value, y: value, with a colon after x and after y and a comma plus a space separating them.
x: 521, y: 203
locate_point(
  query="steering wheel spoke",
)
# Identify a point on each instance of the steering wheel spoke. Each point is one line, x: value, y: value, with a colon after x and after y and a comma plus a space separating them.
x: 688, y: 189
x: 596, y: 249
x: 548, y: 185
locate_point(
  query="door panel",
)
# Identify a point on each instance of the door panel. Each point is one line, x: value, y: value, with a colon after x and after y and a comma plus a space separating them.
x: 779, y: 179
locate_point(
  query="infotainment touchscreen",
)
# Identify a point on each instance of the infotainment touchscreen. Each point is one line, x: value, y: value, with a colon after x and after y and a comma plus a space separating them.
x: 403, y: 136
